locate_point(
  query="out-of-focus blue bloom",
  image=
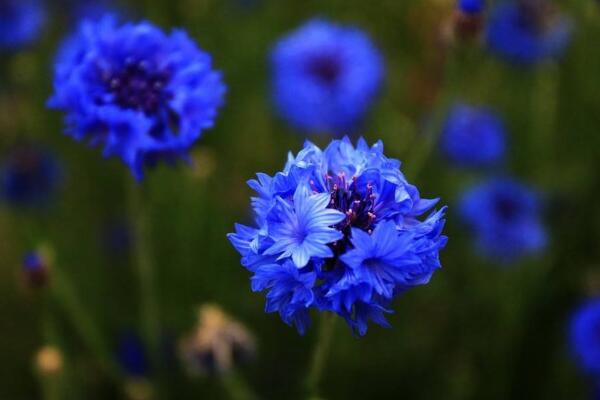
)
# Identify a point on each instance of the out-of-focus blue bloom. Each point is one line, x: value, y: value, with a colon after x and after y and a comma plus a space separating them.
x: 473, y: 136
x: 131, y: 355
x: 325, y: 76
x: 90, y: 9
x: 29, y: 176
x: 36, y: 268
x: 528, y: 31
x: 143, y: 95
x: 338, y: 230
x: 505, y: 217
x: 21, y: 22
x: 471, y: 6
x: 585, y: 342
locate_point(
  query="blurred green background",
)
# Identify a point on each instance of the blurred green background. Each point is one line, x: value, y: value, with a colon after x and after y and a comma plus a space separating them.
x: 477, y: 331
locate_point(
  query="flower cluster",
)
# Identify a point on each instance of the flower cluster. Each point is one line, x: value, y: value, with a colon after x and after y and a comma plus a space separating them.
x: 528, y: 31
x: 21, y: 22
x: 584, y: 336
x: 473, y: 136
x: 325, y: 76
x: 338, y: 230
x: 505, y: 217
x: 143, y: 95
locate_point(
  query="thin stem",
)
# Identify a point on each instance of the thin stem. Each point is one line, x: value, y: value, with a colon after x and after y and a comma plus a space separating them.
x: 82, y: 322
x: 321, y: 352
x: 144, y: 265
x: 237, y: 388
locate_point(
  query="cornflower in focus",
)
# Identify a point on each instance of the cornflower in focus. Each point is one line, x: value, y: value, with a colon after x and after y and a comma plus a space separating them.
x: 339, y: 230
x: 528, y: 32
x: 505, y: 217
x: 473, y: 136
x: 21, y: 22
x: 143, y: 95
x: 217, y: 344
x: 325, y: 76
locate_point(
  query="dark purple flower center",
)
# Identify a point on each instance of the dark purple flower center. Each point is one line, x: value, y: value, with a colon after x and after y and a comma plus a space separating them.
x: 325, y: 68
x: 138, y: 87
x: 358, y: 206
x: 535, y: 16
x: 506, y: 208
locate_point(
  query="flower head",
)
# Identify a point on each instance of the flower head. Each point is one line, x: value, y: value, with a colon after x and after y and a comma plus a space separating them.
x: 325, y: 76
x: 21, y: 22
x: 473, y: 136
x: 36, y: 267
x: 505, y: 217
x: 29, y: 176
x: 217, y: 343
x: 131, y: 355
x: 142, y: 94
x: 585, y: 336
x: 471, y: 6
x: 338, y: 230
x: 527, y: 31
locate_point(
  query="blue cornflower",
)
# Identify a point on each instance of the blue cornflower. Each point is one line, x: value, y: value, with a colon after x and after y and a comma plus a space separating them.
x: 21, y: 22
x: 471, y: 6
x: 473, y: 136
x: 36, y: 268
x: 505, y: 218
x: 131, y: 355
x: 29, y: 176
x: 325, y: 76
x: 585, y: 336
x: 338, y: 230
x: 527, y: 31
x: 143, y: 95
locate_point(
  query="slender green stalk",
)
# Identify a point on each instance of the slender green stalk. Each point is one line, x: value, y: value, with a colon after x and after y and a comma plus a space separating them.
x: 81, y: 319
x: 144, y: 265
x: 237, y: 388
x: 321, y: 352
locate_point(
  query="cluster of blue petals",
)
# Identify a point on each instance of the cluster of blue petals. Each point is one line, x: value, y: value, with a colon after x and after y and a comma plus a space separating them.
x: 471, y: 6
x: 585, y: 336
x: 338, y: 230
x: 473, y: 136
x: 325, y: 76
x: 143, y: 95
x: 527, y: 32
x: 505, y: 218
x: 29, y: 177
x: 21, y: 22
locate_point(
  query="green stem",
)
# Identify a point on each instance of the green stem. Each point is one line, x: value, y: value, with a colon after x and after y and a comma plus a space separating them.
x: 144, y: 266
x: 321, y: 352
x: 82, y: 322
x: 237, y: 388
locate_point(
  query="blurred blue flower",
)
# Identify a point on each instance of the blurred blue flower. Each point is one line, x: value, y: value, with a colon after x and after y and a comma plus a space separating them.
x: 131, y: 355
x: 29, y: 176
x: 21, y: 22
x: 36, y: 268
x: 338, y: 230
x: 528, y: 31
x: 505, y: 218
x: 143, y: 95
x: 471, y: 6
x: 325, y: 76
x: 473, y: 136
x: 585, y: 336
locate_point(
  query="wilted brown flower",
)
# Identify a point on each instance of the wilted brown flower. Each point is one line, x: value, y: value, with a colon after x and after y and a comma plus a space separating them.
x: 217, y: 343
